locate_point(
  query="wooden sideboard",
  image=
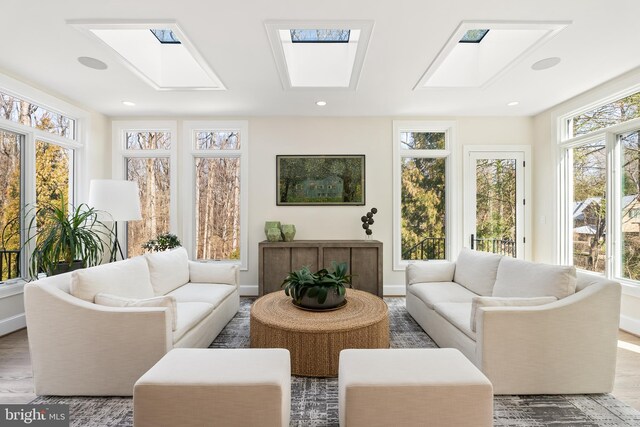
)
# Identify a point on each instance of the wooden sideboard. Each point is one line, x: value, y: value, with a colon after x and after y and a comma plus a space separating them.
x: 364, y: 258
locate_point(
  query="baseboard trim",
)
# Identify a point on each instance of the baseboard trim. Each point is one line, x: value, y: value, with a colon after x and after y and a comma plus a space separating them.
x: 394, y: 290
x: 630, y: 324
x: 248, y: 291
x: 12, y: 324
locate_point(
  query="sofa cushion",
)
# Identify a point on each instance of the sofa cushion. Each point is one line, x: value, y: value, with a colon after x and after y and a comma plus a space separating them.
x: 161, y: 301
x: 128, y: 278
x: 430, y: 271
x: 517, y: 278
x: 189, y: 315
x: 457, y: 313
x: 213, y: 272
x: 437, y: 292
x: 210, y: 293
x: 504, y: 302
x: 169, y: 270
x: 477, y: 271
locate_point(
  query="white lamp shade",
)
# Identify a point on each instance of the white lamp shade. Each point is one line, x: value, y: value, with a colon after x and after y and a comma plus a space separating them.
x: 119, y: 198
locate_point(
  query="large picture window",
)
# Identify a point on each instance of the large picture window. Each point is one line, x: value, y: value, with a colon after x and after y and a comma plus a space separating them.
x: 601, y: 150
x: 421, y: 158
x: 38, y: 150
x: 217, y: 161
x: 147, y: 156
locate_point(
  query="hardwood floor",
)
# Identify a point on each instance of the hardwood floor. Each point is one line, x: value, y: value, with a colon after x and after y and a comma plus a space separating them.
x: 16, y: 381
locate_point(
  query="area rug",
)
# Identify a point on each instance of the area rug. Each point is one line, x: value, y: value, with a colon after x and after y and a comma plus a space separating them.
x: 315, y: 400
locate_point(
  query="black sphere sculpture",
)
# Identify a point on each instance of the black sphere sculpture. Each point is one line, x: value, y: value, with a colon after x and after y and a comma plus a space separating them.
x: 367, y: 221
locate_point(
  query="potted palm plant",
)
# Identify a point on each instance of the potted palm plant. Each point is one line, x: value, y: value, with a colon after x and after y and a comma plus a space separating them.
x: 65, y: 238
x: 323, y: 290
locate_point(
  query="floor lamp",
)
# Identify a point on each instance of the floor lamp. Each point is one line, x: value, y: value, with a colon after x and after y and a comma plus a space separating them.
x: 120, y: 199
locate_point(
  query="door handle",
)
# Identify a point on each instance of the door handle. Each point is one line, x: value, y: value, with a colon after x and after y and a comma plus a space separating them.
x: 472, y: 241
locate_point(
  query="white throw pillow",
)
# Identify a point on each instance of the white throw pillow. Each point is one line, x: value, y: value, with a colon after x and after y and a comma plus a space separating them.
x: 211, y: 272
x: 162, y: 301
x: 517, y: 278
x: 478, y: 302
x: 128, y: 278
x: 169, y: 270
x: 476, y: 271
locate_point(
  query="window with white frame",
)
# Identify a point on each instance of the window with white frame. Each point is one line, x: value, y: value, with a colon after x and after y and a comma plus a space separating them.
x: 421, y: 180
x: 147, y: 156
x: 601, y: 188
x: 218, y: 162
x: 37, y: 151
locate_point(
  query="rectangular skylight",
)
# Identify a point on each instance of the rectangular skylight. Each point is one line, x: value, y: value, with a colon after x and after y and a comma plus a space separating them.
x: 319, y: 36
x: 157, y: 51
x: 165, y: 36
x: 473, y: 36
x: 466, y: 62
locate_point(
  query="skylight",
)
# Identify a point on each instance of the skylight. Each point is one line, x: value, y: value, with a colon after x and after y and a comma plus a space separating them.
x: 156, y: 51
x: 473, y: 36
x: 165, y: 36
x: 465, y: 62
x: 319, y: 36
x: 319, y: 54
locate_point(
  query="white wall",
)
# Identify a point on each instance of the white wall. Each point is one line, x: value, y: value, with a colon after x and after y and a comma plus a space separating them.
x: 370, y: 136
x: 545, y: 189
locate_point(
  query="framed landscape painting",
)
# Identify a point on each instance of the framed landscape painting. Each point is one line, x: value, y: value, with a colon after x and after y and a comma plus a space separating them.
x: 320, y: 180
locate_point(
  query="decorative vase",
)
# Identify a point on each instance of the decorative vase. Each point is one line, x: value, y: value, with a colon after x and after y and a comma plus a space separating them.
x: 288, y: 231
x: 334, y: 299
x: 274, y: 235
x: 273, y: 225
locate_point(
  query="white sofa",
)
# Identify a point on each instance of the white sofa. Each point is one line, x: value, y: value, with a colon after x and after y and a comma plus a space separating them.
x: 565, y: 346
x: 79, y: 347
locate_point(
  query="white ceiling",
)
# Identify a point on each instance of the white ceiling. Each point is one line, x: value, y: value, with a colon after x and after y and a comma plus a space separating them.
x: 38, y: 46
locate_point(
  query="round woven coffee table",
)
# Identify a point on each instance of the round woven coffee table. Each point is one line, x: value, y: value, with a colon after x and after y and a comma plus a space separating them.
x: 315, y: 339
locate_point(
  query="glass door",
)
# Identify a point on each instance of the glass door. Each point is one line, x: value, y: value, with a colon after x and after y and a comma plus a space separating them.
x: 494, y: 202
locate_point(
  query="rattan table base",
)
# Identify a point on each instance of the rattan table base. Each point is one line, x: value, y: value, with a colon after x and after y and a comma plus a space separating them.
x: 315, y: 339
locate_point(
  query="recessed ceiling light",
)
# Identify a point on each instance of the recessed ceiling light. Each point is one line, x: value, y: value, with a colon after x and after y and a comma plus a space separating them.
x: 513, y: 103
x: 321, y: 103
x: 94, y: 63
x: 546, y: 63
x: 129, y: 103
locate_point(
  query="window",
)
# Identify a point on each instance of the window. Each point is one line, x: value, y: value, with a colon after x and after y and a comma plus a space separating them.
x: 24, y: 112
x: 218, y: 163
x: 601, y: 149
x: 11, y: 176
x: 606, y: 115
x: 473, y: 36
x: 589, y: 205
x: 166, y: 36
x: 320, y: 36
x: 421, y: 164
x: 38, y: 151
x: 148, y: 157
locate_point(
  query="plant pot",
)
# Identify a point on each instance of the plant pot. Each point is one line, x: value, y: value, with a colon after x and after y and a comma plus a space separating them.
x: 64, y: 267
x: 333, y: 300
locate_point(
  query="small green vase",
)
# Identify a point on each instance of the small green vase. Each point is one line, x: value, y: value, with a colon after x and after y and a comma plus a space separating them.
x: 288, y: 231
x: 272, y: 225
x: 274, y: 235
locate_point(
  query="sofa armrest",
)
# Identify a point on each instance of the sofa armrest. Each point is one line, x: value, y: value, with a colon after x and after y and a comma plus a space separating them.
x: 214, y: 272
x: 568, y: 346
x: 429, y: 271
x: 80, y: 348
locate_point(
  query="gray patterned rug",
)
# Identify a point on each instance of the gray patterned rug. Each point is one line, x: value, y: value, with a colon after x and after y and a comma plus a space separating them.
x: 315, y: 400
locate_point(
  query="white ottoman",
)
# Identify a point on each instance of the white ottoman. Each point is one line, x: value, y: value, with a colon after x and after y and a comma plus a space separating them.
x: 412, y: 387
x: 207, y: 387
